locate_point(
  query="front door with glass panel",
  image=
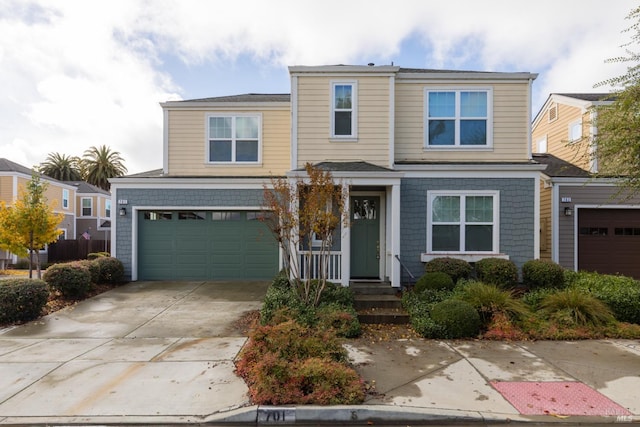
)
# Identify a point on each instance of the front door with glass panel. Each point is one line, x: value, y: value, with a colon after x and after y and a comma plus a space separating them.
x: 365, y: 237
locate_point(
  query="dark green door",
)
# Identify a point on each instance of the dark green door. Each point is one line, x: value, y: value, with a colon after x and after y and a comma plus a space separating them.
x: 365, y: 237
x: 205, y: 245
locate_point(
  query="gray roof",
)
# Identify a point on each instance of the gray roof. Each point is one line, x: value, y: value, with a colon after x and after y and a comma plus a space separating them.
x: 434, y: 70
x: 7, y: 165
x: 559, y: 168
x: 247, y: 97
x: 155, y: 173
x: 84, y: 187
x: 348, y: 167
x: 591, y: 97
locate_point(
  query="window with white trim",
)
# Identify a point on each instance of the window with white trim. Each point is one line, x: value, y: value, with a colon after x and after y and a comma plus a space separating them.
x: 458, y: 118
x: 87, y: 206
x: 463, y: 222
x: 233, y: 139
x: 65, y: 198
x: 575, y: 131
x: 344, y: 110
x: 107, y: 208
x: 542, y: 145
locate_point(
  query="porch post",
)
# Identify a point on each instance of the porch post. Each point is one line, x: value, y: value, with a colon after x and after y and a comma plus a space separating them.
x: 345, y: 238
x: 395, y: 236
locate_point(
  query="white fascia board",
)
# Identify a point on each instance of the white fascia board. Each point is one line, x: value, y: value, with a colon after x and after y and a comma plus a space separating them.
x: 339, y: 69
x: 464, y: 76
x: 224, y: 106
x: 168, y: 183
x: 473, y: 174
x: 353, y: 175
x: 586, y: 182
x: 461, y: 167
x: 49, y: 180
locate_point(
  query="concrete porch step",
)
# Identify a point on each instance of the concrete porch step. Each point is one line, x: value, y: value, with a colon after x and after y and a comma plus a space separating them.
x: 366, y: 301
x: 389, y: 316
x: 377, y: 287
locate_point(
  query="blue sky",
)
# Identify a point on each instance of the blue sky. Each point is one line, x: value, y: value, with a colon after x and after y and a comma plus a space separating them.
x: 78, y: 73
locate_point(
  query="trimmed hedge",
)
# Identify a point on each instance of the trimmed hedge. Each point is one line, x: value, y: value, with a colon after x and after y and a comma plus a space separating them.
x: 111, y: 270
x: 538, y: 273
x: 458, y: 319
x: 497, y: 271
x: 434, y: 280
x: 73, y: 280
x: 456, y: 268
x: 92, y: 266
x: 22, y: 299
x: 95, y: 255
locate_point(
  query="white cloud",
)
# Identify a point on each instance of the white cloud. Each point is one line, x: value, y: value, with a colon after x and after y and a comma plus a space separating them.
x: 81, y: 73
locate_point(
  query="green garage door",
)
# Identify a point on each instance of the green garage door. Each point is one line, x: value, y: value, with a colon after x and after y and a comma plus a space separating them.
x: 205, y: 245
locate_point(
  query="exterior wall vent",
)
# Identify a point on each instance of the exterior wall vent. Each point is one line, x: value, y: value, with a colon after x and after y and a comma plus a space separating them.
x: 553, y: 113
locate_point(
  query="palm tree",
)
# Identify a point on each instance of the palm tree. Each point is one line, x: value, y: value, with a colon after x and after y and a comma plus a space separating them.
x: 61, y: 167
x: 100, y: 164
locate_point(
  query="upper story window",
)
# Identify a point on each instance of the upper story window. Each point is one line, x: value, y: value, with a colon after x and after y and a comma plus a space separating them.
x: 458, y: 118
x: 87, y: 206
x: 542, y: 145
x: 107, y: 208
x: 233, y: 138
x: 344, y: 110
x: 575, y: 131
x: 65, y: 198
x: 463, y: 222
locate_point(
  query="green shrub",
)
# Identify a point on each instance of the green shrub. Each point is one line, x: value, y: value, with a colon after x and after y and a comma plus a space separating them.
x: 111, y: 270
x: 343, y: 320
x: 538, y: 273
x: 433, y: 280
x: 22, y: 299
x: 21, y: 264
x: 276, y: 299
x: 456, y: 268
x: 337, y: 294
x: 458, y: 319
x: 489, y: 300
x: 572, y: 307
x: 95, y: 255
x: 424, y: 325
x: 94, y: 269
x: 497, y: 271
x: 73, y: 280
x: 533, y: 298
x: 621, y: 294
x: 417, y: 303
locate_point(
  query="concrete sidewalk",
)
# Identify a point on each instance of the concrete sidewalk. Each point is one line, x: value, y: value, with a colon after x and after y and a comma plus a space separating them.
x: 162, y: 353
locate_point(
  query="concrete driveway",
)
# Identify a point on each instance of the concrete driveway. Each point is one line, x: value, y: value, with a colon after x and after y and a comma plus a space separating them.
x: 147, y: 351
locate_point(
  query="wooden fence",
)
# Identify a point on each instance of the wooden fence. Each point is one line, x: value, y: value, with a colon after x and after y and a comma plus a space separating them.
x: 69, y: 250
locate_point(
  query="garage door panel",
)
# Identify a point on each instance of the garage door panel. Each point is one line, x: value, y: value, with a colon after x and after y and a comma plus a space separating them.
x: 223, y: 245
x: 607, y: 241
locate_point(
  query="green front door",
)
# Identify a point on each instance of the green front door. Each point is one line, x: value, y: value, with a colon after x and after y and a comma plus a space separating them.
x: 365, y: 237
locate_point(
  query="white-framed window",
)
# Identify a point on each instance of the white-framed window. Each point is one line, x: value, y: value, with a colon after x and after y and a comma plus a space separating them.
x: 63, y: 235
x: 87, y: 206
x: 344, y: 109
x: 460, y: 118
x: 463, y: 222
x: 107, y: 208
x: 575, y: 131
x: 65, y: 198
x: 234, y: 139
x: 542, y: 145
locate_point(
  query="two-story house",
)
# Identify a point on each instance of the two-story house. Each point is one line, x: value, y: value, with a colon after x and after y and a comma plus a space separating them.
x: 14, y: 177
x: 586, y: 222
x: 93, y: 211
x: 436, y: 163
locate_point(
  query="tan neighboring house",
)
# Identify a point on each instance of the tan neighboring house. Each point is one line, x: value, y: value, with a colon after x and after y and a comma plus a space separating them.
x: 586, y: 224
x: 93, y: 211
x: 435, y: 163
x: 14, y: 176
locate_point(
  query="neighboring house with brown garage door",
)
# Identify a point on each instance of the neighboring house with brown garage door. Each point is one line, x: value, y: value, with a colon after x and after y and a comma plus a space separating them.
x: 586, y: 223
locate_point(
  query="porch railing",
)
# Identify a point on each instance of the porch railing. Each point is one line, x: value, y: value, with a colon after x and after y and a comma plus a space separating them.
x: 331, y: 262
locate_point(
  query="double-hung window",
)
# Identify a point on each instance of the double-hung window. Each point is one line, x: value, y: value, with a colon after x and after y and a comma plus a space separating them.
x: 575, y: 131
x: 65, y: 198
x: 233, y: 139
x: 107, y: 208
x: 463, y: 222
x: 458, y: 118
x: 344, y: 110
x: 87, y: 206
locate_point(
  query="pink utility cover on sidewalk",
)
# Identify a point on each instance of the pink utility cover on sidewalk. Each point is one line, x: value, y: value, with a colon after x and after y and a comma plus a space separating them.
x: 557, y: 398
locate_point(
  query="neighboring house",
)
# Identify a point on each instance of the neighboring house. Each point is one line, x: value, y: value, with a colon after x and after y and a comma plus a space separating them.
x: 586, y: 223
x: 63, y: 196
x: 436, y: 163
x: 93, y: 211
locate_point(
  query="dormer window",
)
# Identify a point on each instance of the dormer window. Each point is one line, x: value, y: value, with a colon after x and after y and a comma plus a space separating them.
x: 458, y: 118
x: 233, y: 139
x: 344, y: 110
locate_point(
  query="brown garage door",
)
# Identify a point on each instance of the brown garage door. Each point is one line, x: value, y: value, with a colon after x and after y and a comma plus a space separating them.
x: 609, y: 241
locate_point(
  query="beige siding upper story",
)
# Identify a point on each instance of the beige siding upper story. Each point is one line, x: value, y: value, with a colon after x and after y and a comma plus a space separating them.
x: 98, y: 204
x: 6, y: 189
x: 556, y: 133
x: 510, y: 123
x: 314, y: 121
x: 545, y: 221
x: 187, y: 154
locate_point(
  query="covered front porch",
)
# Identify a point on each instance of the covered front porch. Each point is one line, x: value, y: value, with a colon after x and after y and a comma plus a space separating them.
x: 369, y: 237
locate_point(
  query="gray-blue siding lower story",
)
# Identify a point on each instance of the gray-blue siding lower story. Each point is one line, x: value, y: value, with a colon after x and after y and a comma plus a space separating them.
x: 516, y: 218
